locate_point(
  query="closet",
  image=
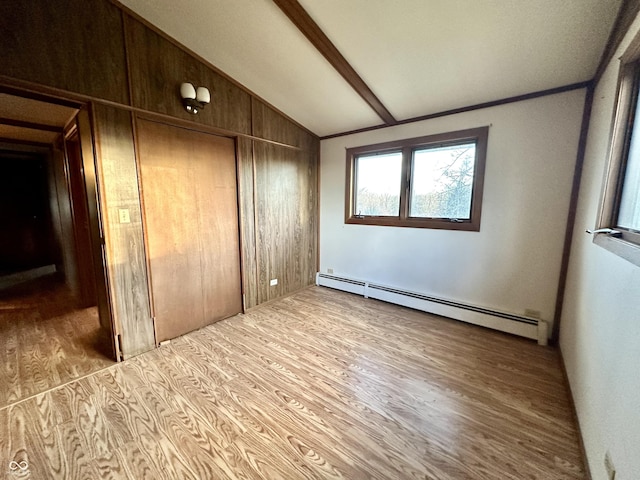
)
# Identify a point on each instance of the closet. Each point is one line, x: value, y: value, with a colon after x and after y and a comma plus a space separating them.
x: 189, y: 190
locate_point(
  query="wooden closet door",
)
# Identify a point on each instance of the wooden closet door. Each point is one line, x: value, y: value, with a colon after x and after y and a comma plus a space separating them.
x: 189, y: 192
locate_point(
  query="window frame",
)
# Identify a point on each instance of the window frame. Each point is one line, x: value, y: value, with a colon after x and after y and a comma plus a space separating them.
x: 626, y: 243
x: 407, y: 146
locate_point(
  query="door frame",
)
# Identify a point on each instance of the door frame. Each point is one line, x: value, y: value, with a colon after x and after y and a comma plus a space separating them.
x: 86, y: 137
x: 91, y: 181
x: 79, y: 201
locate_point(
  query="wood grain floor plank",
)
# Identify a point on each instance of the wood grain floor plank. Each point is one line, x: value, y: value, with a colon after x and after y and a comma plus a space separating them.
x: 318, y: 385
x: 320, y: 452
x: 76, y: 463
x: 196, y: 445
x: 96, y: 431
x: 166, y: 458
x: 44, y: 340
x: 18, y: 450
x: 111, y: 466
x: 15, y: 390
x: 358, y: 440
x: 205, y: 400
x: 213, y: 430
x: 138, y: 464
x: 356, y: 433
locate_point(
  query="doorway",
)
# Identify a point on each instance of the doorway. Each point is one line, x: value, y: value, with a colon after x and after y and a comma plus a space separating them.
x: 51, y: 331
x: 189, y: 191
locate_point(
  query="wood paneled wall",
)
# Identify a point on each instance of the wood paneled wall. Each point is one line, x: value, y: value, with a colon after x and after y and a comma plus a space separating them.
x: 75, y: 45
x: 96, y: 49
x: 158, y: 67
x: 126, y: 261
x: 270, y: 125
x: 286, y: 219
x: 278, y: 190
x: 246, y: 192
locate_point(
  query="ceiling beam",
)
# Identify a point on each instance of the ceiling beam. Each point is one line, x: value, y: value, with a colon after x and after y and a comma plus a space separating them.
x: 301, y: 19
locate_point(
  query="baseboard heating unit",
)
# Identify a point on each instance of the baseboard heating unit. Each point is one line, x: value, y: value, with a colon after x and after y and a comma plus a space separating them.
x: 533, y: 328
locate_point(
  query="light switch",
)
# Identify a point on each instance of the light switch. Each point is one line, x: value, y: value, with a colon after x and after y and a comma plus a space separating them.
x: 123, y: 214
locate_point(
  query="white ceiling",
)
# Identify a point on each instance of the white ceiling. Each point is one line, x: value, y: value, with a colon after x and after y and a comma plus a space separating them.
x: 417, y: 56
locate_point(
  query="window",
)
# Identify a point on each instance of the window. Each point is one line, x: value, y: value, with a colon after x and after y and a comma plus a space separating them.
x: 629, y: 209
x: 425, y: 182
x: 620, y: 208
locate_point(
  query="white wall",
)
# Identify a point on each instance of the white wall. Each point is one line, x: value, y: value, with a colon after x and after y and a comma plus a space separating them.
x: 513, y: 263
x: 600, y: 329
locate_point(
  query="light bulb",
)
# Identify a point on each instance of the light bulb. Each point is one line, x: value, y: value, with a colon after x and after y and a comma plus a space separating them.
x: 203, y: 95
x: 187, y: 91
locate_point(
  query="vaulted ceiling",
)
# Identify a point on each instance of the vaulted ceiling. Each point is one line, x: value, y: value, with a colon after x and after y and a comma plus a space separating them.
x: 399, y: 59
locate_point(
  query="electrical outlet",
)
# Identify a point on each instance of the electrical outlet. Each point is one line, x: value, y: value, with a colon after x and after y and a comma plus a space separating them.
x: 528, y: 312
x: 608, y: 465
x: 273, y: 282
x: 329, y: 270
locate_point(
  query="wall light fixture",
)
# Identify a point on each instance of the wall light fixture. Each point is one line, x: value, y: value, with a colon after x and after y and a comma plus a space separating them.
x: 194, y: 99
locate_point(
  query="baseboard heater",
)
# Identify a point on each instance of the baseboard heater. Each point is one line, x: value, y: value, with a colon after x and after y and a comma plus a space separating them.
x: 533, y: 328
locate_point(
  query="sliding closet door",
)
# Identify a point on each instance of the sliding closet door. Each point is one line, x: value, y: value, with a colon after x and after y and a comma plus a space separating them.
x: 188, y: 182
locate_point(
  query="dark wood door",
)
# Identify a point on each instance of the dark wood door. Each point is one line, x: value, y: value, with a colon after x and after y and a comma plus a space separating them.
x: 189, y: 191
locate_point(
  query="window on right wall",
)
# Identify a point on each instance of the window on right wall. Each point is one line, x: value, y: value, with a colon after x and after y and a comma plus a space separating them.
x: 620, y: 209
x: 628, y: 207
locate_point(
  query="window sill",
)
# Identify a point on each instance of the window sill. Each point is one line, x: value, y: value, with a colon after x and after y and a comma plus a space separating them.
x: 618, y: 246
x: 415, y: 223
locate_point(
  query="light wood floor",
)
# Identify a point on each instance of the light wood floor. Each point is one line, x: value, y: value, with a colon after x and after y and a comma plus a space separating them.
x: 321, y: 384
x: 44, y: 340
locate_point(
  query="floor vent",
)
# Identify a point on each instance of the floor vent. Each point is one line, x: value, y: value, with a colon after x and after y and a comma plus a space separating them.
x: 532, y: 328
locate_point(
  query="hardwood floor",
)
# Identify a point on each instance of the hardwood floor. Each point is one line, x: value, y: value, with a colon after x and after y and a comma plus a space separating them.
x: 44, y: 340
x: 321, y: 384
